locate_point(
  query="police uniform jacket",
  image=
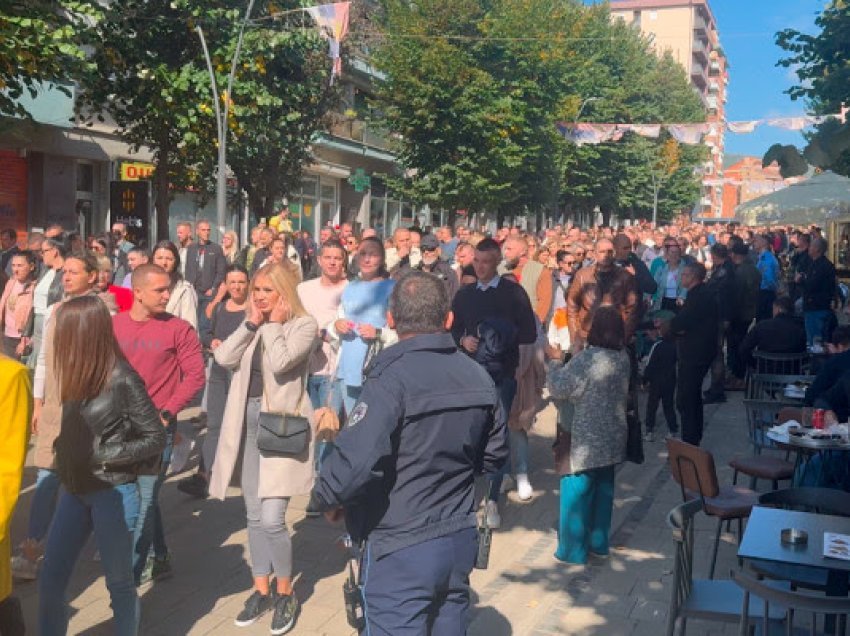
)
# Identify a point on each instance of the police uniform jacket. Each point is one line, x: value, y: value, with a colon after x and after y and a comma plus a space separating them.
x: 405, y: 463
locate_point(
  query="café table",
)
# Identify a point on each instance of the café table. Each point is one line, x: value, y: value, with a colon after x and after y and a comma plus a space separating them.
x: 804, y: 451
x: 762, y: 541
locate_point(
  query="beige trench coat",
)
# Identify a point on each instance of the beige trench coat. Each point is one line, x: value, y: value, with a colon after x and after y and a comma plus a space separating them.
x: 287, y: 350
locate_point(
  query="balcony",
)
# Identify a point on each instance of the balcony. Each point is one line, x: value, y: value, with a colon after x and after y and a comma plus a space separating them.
x: 698, y: 77
x: 714, y: 68
x: 711, y: 102
x: 713, y: 86
x: 700, y: 25
x: 356, y: 130
x: 700, y: 50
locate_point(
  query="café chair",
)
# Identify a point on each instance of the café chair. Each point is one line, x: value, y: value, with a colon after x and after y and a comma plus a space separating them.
x: 694, y: 470
x: 771, y: 386
x: 825, y: 501
x: 771, y: 598
x: 761, y: 415
x: 700, y: 598
x: 781, y: 363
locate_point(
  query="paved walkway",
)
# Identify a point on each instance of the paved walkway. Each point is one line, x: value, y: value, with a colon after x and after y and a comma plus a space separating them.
x: 524, y: 592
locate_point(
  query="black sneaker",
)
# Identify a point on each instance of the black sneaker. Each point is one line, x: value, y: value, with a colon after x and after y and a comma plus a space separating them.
x: 194, y: 486
x: 285, y: 612
x: 256, y: 605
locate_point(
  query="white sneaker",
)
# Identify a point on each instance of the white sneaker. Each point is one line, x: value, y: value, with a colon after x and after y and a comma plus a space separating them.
x: 523, y: 487
x: 23, y: 569
x: 494, y: 519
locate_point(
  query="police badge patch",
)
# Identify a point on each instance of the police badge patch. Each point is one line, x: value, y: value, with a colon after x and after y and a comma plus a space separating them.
x: 357, y: 413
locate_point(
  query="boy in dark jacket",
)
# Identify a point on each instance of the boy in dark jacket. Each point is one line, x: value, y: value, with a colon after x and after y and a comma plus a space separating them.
x: 660, y: 375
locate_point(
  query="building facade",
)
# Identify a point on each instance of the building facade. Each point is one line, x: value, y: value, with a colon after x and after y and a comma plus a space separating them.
x: 688, y: 30
x: 56, y: 170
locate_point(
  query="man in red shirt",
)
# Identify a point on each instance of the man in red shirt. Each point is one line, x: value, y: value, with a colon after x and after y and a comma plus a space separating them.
x: 166, y: 352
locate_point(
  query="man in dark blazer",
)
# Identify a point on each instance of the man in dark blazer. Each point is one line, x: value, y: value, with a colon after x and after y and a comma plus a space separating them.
x: 205, y: 265
x: 696, y: 327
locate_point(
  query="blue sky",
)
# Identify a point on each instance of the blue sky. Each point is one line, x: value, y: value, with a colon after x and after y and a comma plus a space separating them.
x: 756, y: 85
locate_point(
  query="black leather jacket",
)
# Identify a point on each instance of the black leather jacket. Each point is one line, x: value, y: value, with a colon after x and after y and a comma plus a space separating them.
x: 103, y: 439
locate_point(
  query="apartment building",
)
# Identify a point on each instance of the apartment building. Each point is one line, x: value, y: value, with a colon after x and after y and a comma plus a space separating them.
x: 688, y: 30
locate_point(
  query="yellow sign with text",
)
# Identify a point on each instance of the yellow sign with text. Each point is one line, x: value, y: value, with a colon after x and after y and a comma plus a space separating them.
x: 136, y: 171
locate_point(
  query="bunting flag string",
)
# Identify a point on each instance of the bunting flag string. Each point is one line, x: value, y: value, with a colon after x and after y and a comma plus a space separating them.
x: 689, y: 134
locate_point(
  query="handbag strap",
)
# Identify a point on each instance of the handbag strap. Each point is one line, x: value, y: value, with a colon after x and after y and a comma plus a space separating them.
x: 303, y: 380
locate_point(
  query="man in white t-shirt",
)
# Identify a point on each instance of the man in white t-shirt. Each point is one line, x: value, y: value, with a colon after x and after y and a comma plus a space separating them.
x: 321, y: 298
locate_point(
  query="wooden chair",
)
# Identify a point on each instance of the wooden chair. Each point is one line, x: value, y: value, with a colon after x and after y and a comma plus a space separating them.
x: 700, y: 598
x: 774, y: 597
x: 694, y: 470
x: 763, y: 463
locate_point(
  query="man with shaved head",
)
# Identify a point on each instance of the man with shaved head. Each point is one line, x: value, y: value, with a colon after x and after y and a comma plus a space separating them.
x: 602, y: 283
x: 527, y: 272
x: 165, y: 351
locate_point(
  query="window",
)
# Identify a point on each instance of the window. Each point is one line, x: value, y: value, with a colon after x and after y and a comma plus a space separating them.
x: 85, y: 177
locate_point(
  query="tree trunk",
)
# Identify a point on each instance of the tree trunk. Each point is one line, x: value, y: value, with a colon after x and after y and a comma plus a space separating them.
x: 451, y: 217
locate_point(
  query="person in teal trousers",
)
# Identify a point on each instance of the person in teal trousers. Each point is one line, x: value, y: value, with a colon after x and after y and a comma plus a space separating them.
x: 595, y: 383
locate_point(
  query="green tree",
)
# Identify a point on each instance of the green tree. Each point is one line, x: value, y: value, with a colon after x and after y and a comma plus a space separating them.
x: 452, y: 120
x: 281, y: 97
x: 145, y: 73
x: 633, y: 85
x: 820, y: 63
x: 150, y: 77
x: 38, y: 44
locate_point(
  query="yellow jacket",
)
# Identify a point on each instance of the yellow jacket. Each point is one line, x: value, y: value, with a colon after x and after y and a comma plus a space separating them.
x: 16, y: 410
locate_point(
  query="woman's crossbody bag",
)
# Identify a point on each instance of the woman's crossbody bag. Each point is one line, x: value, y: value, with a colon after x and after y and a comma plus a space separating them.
x: 284, y: 434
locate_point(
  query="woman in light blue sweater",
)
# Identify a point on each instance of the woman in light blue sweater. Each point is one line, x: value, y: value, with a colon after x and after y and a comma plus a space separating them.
x: 361, y: 323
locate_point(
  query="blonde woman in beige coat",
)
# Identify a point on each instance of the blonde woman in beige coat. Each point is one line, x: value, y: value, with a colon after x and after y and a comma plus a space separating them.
x: 269, y: 355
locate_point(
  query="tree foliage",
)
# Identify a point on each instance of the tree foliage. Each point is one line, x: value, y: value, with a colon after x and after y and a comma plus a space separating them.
x: 150, y: 77
x: 474, y: 89
x: 38, y: 44
x: 820, y: 63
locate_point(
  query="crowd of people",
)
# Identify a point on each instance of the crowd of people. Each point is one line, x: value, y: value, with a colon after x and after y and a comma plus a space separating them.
x: 284, y: 338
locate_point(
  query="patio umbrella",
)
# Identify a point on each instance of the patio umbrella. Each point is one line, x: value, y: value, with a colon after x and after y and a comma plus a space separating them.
x: 815, y: 200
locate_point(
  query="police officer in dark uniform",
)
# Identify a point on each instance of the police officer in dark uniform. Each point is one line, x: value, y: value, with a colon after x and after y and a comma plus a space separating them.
x: 403, y: 469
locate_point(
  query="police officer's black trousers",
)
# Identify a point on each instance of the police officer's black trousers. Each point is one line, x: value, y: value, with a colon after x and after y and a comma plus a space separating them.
x: 420, y: 590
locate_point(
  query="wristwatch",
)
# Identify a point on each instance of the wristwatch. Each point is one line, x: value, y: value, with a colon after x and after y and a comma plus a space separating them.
x: 250, y: 326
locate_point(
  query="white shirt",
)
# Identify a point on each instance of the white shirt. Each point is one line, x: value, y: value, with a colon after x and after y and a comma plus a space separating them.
x: 39, y: 298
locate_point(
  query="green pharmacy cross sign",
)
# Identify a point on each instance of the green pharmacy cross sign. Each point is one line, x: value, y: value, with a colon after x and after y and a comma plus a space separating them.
x: 360, y: 180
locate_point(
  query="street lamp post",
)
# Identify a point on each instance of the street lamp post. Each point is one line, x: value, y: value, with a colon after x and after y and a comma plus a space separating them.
x: 221, y: 118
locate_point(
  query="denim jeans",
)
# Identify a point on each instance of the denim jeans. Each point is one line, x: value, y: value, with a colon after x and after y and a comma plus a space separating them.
x: 507, y: 391
x: 149, y: 530
x: 815, y: 322
x: 76, y: 517
x: 318, y: 388
x: 43, y: 505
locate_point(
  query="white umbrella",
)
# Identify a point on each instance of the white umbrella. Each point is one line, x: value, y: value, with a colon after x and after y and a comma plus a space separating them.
x: 815, y: 200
